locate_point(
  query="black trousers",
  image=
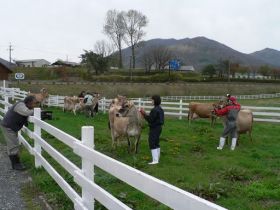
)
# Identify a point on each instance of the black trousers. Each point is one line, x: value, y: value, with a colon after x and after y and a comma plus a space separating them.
x: 154, y: 137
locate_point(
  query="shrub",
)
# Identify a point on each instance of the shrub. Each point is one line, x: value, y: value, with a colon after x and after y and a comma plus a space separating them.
x: 211, y: 192
x: 235, y: 174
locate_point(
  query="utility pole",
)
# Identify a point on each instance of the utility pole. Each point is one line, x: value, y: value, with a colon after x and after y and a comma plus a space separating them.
x: 10, y: 53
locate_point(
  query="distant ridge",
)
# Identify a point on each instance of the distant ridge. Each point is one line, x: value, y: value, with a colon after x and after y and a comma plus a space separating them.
x: 201, y: 51
x: 268, y: 55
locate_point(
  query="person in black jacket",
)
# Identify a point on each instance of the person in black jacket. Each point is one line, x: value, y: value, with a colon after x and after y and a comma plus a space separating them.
x: 15, y: 118
x: 155, y: 120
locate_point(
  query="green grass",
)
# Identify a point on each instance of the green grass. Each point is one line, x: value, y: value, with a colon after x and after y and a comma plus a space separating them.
x: 111, y: 89
x: 247, y: 178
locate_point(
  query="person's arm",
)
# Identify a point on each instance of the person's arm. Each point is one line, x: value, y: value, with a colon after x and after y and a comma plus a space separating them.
x: 221, y: 112
x: 22, y: 109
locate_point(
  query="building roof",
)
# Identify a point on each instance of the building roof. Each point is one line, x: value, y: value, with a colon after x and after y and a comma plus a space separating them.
x: 187, y: 68
x: 65, y: 63
x: 31, y: 60
x: 7, y: 65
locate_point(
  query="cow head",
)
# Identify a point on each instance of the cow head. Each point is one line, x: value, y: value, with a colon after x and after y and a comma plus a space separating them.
x: 126, y: 107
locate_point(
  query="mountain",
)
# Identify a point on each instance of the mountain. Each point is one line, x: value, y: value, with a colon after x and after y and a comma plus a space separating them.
x: 199, y: 52
x: 268, y: 55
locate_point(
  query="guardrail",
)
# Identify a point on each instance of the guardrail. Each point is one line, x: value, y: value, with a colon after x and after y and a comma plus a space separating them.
x: 84, y: 176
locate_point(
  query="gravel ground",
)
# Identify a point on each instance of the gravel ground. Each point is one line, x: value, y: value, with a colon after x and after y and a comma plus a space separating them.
x: 11, y: 182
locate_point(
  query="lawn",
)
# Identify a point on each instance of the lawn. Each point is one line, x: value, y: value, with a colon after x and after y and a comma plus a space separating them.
x: 247, y: 178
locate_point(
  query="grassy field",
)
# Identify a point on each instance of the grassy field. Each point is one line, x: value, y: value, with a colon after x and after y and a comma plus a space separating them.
x: 110, y: 90
x: 247, y: 178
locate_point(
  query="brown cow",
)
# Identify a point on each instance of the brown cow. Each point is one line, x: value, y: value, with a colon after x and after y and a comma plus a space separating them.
x: 125, y: 121
x: 41, y: 97
x: 72, y: 103
x: 201, y: 110
x: 244, y: 122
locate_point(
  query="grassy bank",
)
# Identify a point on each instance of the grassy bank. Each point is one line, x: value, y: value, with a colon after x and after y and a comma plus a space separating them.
x: 148, y: 89
x: 247, y: 178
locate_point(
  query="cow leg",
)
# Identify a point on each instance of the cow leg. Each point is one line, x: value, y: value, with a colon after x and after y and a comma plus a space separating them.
x: 190, y: 116
x: 128, y: 145
x: 250, y: 134
x: 213, y: 120
x: 137, y: 143
x: 113, y: 138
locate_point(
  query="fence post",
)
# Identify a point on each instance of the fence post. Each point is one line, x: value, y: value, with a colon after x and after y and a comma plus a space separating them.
x: 37, y: 130
x: 49, y: 101
x: 139, y: 103
x: 6, y: 98
x: 57, y: 100
x: 104, y: 105
x: 87, y: 166
x: 181, y: 109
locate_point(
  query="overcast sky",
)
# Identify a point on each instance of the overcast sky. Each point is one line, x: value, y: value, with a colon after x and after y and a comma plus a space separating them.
x: 52, y: 29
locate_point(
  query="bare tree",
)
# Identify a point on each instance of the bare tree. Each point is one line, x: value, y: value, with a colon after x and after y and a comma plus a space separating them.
x: 162, y: 55
x: 147, y: 59
x: 114, y: 29
x: 103, y: 48
x: 134, y: 21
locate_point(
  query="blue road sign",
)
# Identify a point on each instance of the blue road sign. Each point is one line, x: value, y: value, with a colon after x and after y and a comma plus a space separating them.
x: 174, y: 64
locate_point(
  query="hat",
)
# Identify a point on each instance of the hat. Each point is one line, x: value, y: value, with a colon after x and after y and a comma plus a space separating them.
x: 228, y: 95
x: 233, y: 99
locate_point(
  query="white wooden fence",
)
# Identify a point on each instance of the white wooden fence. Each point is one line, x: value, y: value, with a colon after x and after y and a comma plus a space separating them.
x: 172, y: 108
x: 165, y: 193
x: 205, y: 98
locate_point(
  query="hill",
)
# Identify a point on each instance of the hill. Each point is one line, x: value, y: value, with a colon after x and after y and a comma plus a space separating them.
x: 201, y: 51
x: 268, y: 55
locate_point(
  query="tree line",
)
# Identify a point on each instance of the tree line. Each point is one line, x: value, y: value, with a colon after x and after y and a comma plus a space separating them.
x: 227, y: 69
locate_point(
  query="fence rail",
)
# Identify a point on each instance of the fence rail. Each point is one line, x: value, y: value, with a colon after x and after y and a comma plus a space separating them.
x: 205, y: 98
x: 173, y: 105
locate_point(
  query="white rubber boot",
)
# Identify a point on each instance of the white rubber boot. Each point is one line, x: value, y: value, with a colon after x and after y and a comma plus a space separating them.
x: 155, y: 157
x: 233, y: 143
x: 222, y: 143
x: 158, y: 151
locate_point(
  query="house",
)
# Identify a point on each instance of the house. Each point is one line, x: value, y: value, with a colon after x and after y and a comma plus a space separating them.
x: 5, y: 69
x: 32, y: 63
x: 65, y: 63
x: 187, y: 69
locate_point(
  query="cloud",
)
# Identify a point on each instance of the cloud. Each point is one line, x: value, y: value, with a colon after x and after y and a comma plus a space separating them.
x: 58, y: 29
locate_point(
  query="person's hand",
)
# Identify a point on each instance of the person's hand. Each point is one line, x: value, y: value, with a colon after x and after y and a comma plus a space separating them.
x: 142, y: 111
x: 214, y: 111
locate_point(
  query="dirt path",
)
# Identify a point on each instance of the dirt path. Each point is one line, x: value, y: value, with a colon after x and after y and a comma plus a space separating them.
x: 11, y: 182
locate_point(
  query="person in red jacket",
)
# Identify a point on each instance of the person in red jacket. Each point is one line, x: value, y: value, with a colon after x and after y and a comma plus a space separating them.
x: 230, y: 112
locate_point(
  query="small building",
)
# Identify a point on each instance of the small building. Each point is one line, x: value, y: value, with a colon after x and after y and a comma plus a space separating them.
x: 5, y: 69
x: 187, y: 69
x: 59, y: 63
x: 32, y: 63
